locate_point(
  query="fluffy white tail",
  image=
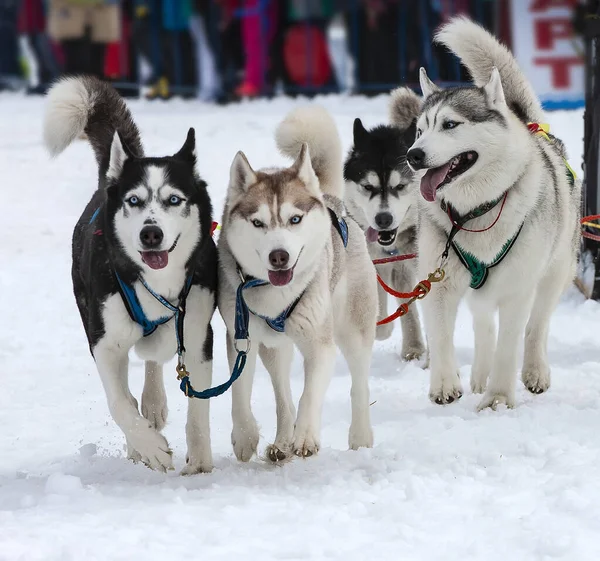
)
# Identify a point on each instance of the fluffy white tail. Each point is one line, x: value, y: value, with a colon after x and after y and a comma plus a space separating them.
x: 404, y: 108
x: 480, y: 52
x: 314, y: 126
x: 83, y: 106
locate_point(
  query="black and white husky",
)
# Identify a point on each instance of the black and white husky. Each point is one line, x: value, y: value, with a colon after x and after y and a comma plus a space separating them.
x: 382, y: 194
x: 144, y: 266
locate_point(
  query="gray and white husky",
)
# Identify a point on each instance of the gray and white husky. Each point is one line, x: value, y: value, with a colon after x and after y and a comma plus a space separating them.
x: 285, y: 229
x: 485, y: 170
x: 381, y: 194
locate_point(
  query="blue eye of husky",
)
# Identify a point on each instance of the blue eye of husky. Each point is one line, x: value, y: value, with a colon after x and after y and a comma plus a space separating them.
x: 296, y: 219
x: 257, y: 223
x: 133, y: 201
x: 174, y: 200
x: 450, y: 125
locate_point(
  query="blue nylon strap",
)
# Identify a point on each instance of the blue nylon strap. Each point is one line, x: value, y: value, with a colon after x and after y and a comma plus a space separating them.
x: 340, y: 225
x: 137, y: 312
x: 238, y: 368
x: 242, y: 313
x: 242, y: 319
x: 343, y: 231
x: 95, y: 215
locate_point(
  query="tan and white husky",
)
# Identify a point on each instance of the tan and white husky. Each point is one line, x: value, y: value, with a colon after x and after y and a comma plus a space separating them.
x: 309, y: 283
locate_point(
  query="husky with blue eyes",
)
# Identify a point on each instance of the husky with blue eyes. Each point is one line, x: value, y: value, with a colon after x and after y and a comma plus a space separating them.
x: 144, y: 267
x: 499, y: 209
x: 294, y: 271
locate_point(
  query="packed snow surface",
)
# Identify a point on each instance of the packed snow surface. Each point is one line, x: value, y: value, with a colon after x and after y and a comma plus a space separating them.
x: 441, y: 483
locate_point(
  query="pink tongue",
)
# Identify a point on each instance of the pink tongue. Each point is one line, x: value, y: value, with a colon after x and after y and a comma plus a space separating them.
x: 281, y: 278
x: 371, y: 234
x: 155, y: 259
x: 431, y: 181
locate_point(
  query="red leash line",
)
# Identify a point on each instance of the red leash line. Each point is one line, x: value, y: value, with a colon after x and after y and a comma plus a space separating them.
x: 394, y: 258
x: 391, y: 291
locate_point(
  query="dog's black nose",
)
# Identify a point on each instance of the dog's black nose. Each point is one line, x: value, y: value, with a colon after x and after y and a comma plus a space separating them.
x: 151, y: 237
x: 416, y: 158
x: 279, y: 258
x: 384, y: 220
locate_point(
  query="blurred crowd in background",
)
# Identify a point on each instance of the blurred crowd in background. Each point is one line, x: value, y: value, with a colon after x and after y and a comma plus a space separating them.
x: 221, y: 50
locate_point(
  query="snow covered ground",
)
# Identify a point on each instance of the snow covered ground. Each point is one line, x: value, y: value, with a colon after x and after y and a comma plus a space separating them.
x: 441, y: 483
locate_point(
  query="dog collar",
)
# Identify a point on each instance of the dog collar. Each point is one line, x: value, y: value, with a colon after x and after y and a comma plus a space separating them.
x: 242, y: 310
x: 478, y: 269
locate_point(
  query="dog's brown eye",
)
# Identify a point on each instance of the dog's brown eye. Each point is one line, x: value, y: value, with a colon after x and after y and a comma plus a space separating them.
x: 257, y: 223
x: 368, y: 187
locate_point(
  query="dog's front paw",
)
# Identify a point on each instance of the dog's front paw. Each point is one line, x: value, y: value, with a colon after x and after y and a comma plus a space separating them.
x: 360, y: 436
x: 494, y: 399
x: 132, y: 453
x: 151, y: 448
x: 278, y: 453
x: 478, y: 381
x: 305, y: 443
x: 412, y: 352
x: 384, y: 331
x: 194, y: 466
x: 536, y: 380
x: 446, y: 390
x: 245, y: 440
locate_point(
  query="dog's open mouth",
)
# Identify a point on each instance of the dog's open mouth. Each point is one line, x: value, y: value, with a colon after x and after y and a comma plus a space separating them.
x: 383, y: 237
x: 281, y: 277
x: 158, y: 259
x: 435, y: 178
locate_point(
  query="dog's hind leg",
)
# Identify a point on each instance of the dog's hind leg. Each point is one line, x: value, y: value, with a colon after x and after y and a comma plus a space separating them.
x: 484, y: 328
x: 152, y: 448
x: 384, y: 331
x: 357, y: 349
x: 244, y: 435
x: 412, y: 340
x: 536, y: 370
x: 278, y: 362
x: 154, y: 398
x: 514, y: 310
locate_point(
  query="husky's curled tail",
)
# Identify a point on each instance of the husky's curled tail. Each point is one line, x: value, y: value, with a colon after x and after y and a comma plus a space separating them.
x: 480, y: 52
x: 314, y: 126
x: 85, y: 105
x: 405, y: 106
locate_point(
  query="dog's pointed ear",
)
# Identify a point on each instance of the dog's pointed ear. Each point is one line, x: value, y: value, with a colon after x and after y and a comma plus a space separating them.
x: 241, y: 174
x: 187, y: 153
x: 427, y: 86
x: 303, y: 168
x: 361, y: 135
x: 119, y: 154
x: 494, y: 92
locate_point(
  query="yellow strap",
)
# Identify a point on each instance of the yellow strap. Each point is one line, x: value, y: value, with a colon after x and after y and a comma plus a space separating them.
x: 544, y: 134
x: 591, y: 225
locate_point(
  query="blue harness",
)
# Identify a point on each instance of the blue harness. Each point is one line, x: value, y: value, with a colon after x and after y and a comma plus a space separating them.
x: 242, y: 321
